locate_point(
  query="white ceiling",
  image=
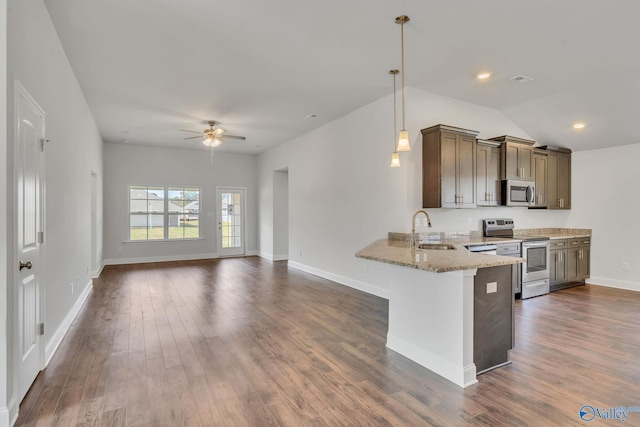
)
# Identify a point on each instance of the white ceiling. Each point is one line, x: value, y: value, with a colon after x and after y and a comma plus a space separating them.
x: 259, y: 67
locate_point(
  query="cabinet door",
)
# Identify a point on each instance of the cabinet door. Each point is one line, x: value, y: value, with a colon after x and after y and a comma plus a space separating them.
x: 553, y: 199
x: 584, y: 262
x: 558, y: 267
x: 493, y: 176
x: 525, y: 162
x: 512, y: 170
x: 573, y: 266
x: 483, y: 154
x: 466, y: 171
x: 448, y: 142
x: 540, y: 172
x: 487, y: 175
x: 564, y: 180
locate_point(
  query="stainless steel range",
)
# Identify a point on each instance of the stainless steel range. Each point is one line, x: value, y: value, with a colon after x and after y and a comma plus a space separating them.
x: 533, y: 274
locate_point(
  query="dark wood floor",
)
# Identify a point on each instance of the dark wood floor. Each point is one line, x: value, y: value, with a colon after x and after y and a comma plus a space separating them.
x: 247, y: 342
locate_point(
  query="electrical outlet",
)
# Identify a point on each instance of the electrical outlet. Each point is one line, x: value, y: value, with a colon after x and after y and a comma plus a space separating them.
x: 300, y: 253
x: 625, y: 266
x: 71, y: 288
x: 492, y: 287
x: 119, y: 248
x: 87, y: 268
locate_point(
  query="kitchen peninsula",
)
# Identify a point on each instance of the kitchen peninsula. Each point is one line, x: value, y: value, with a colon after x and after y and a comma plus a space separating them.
x: 433, y: 292
x: 431, y: 301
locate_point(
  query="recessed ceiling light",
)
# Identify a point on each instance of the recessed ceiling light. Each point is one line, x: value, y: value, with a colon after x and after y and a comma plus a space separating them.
x: 311, y: 116
x: 484, y: 75
x: 579, y: 125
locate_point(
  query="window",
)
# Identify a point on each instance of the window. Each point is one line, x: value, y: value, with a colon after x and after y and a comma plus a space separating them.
x: 161, y: 213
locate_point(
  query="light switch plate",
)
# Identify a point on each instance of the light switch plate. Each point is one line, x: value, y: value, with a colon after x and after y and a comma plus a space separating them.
x: 492, y: 287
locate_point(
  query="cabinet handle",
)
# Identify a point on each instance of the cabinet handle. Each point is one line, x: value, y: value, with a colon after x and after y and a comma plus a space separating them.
x: 574, y: 243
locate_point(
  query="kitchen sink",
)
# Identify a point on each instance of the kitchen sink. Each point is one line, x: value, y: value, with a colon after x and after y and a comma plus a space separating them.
x: 436, y: 246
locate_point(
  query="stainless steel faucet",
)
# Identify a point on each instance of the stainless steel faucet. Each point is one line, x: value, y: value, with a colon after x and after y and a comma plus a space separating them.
x: 413, y: 225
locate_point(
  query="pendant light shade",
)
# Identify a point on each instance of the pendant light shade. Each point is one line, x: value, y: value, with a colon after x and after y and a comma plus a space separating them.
x: 403, y: 141
x: 403, y: 136
x: 395, y: 158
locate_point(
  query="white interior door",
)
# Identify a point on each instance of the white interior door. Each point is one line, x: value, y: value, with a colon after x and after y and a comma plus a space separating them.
x: 230, y: 215
x: 29, y: 195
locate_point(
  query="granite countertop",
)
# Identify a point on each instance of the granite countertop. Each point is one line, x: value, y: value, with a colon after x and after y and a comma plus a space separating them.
x: 438, y: 261
x: 396, y: 250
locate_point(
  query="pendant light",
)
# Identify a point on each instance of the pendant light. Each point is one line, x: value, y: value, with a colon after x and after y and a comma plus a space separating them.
x: 403, y: 136
x: 395, y: 158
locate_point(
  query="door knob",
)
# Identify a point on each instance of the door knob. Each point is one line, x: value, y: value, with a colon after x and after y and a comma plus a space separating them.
x: 28, y: 265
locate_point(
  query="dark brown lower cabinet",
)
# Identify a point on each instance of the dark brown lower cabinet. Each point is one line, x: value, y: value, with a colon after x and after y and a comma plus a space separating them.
x: 570, y: 262
x: 493, y: 317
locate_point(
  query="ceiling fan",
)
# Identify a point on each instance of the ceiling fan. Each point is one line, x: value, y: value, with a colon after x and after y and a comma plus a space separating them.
x: 212, y: 137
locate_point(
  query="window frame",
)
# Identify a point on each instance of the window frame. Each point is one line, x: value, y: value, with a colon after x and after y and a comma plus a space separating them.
x: 166, y: 213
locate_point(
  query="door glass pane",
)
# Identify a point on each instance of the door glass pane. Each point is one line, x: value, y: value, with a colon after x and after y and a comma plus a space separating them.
x: 231, y: 220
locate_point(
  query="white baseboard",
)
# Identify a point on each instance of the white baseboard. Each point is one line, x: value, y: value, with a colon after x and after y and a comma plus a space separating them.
x: 9, y: 414
x: 252, y: 253
x: 461, y: 376
x: 96, y: 274
x: 356, y: 284
x: 59, y: 334
x: 142, y: 260
x: 614, y: 283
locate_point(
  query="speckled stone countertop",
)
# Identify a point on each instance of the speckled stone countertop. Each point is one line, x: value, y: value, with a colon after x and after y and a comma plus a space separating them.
x: 438, y: 261
x: 395, y: 250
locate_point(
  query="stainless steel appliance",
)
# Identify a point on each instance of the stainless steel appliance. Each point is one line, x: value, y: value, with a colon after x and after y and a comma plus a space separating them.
x: 532, y: 277
x: 535, y: 269
x: 518, y: 193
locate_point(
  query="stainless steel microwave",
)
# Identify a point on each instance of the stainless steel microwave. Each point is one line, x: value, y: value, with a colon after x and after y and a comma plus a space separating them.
x: 518, y: 193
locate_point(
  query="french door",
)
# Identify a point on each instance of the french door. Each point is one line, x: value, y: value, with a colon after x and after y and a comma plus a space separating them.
x: 230, y: 207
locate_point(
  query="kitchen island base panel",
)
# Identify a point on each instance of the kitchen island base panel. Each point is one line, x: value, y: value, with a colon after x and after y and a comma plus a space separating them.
x: 431, y: 320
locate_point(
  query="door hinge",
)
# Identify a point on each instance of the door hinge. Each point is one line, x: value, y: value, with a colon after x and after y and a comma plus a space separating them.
x: 42, y: 141
x: 41, y: 329
x: 40, y: 236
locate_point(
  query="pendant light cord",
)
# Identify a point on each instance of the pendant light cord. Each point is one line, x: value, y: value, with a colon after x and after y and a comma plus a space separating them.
x: 395, y: 119
x: 402, y: 69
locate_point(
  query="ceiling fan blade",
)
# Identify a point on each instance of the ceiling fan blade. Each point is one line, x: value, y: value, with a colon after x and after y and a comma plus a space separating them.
x: 233, y: 137
x: 192, y: 131
x: 194, y: 137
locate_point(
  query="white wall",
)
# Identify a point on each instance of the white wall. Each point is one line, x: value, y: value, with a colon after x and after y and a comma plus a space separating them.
x: 37, y: 60
x: 281, y: 215
x: 127, y: 164
x: 604, y: 198
x: 343, y: 195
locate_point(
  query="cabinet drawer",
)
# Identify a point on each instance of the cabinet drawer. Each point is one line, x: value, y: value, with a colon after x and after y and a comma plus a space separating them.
x: 558, y: 244
x: 508, y: 248
x: 583, y: 241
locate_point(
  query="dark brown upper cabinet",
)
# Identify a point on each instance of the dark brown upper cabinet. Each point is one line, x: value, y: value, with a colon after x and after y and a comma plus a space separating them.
x: 488, y: 173
x: 448, y: 167
x: 517, y: 157
x: 540, y: 171
x: 559, y: 178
